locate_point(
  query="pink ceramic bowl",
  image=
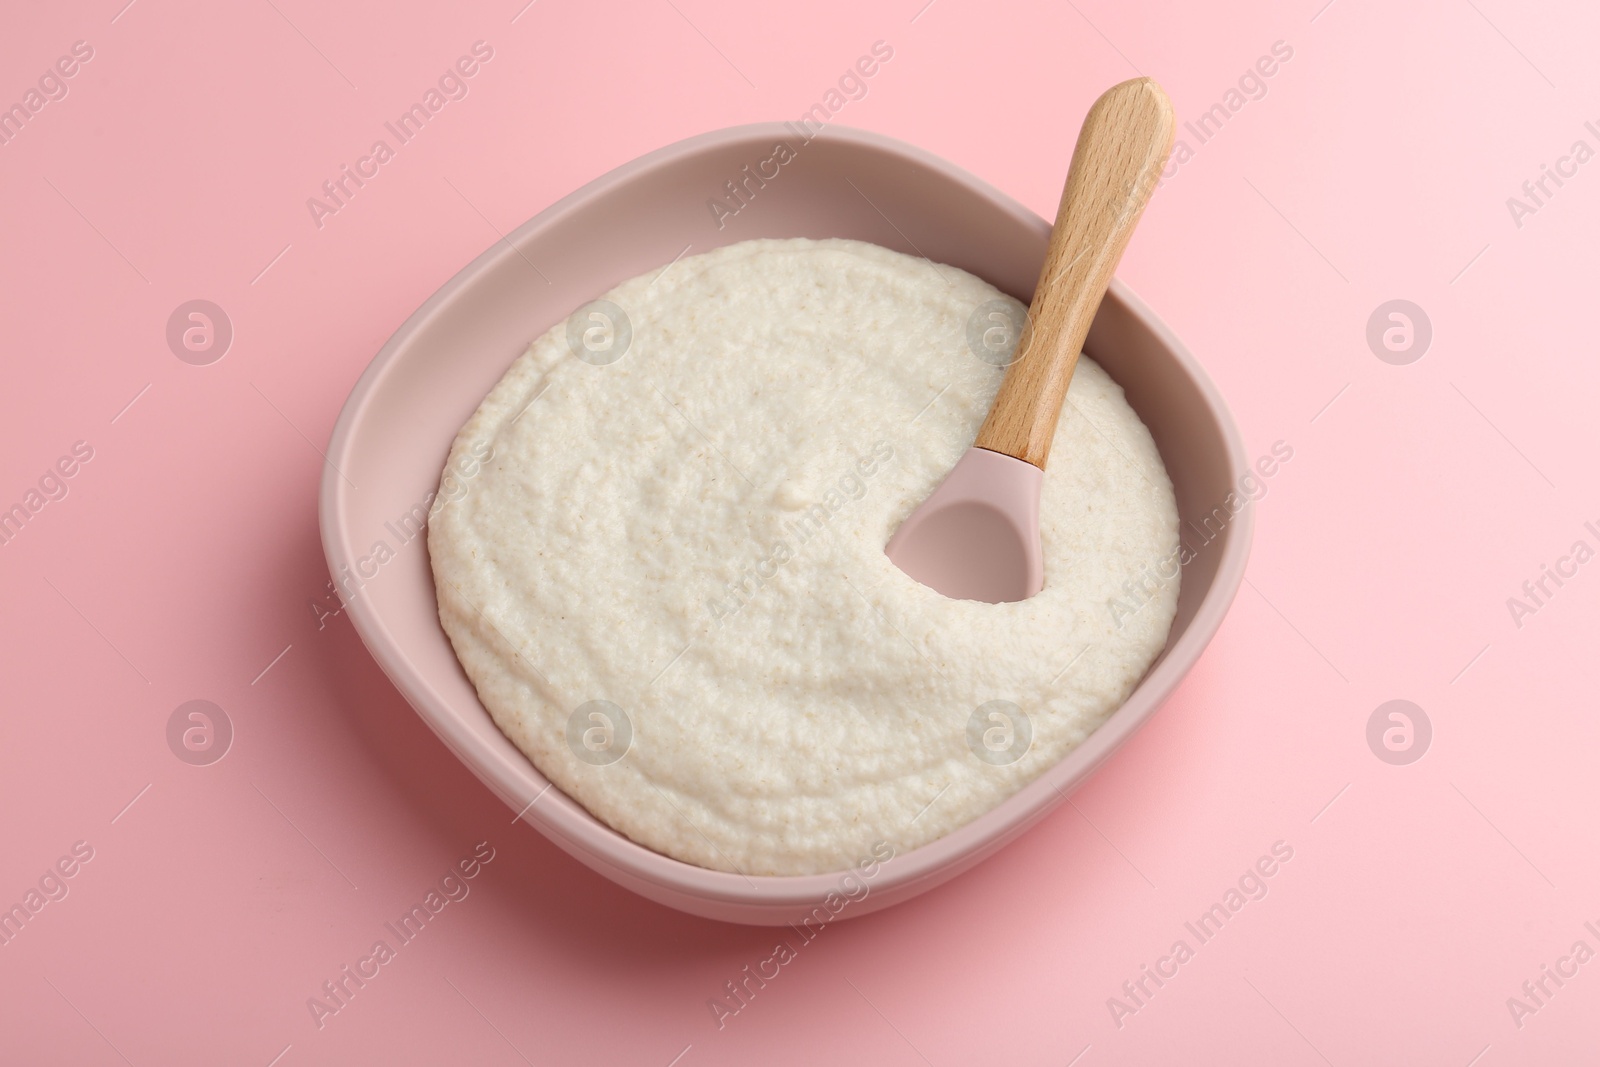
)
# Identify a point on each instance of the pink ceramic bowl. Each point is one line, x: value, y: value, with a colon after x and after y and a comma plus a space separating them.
x: 391, y: 440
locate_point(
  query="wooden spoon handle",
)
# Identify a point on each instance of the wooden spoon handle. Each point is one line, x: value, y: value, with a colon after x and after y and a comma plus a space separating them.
x: 1121, y: 150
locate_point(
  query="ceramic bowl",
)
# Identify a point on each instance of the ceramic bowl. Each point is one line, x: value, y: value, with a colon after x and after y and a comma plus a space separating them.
x: 394, y: 433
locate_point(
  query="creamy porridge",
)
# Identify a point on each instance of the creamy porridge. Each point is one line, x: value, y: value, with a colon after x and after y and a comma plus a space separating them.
x: 666, y: 578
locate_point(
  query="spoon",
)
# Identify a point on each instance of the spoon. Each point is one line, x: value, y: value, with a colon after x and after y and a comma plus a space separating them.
x: 977, y: 536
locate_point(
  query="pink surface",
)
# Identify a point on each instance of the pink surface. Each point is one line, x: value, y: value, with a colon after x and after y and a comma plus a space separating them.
x: 183, y: 562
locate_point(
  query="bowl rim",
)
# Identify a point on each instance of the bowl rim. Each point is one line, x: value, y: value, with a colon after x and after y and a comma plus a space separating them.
x: 608, y: 850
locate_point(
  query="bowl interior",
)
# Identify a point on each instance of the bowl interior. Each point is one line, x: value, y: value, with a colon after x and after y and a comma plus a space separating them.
x: 393, y: 436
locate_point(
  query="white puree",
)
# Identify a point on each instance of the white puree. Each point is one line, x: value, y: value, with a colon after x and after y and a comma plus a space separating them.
x: 786, y: 726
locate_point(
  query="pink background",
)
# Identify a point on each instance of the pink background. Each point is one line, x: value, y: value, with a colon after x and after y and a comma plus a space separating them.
x: 186, y: 557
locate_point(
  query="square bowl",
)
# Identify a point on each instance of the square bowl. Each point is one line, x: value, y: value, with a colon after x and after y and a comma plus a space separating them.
x: 397, y: 426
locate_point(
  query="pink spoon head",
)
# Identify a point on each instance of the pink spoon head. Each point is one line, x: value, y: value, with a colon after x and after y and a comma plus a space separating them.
x: 977, y: 536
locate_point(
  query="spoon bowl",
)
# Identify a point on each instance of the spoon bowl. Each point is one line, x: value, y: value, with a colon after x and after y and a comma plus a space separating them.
x: 977, y: 536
